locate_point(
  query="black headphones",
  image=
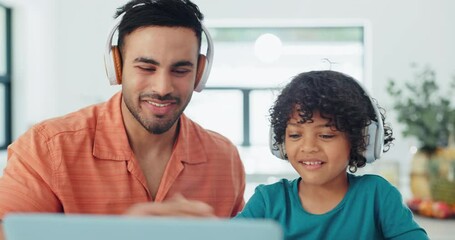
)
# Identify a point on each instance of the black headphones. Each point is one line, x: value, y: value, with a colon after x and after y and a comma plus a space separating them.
x: 374, y: 136
x: 113, y: 62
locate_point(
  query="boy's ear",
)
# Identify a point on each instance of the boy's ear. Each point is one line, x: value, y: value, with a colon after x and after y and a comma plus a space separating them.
x: 202, y: 60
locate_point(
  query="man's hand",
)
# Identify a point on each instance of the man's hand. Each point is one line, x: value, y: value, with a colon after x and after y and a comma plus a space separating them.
x: 177, y: 206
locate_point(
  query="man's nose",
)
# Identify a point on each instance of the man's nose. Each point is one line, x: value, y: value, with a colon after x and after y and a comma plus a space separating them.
x: 163, y: 83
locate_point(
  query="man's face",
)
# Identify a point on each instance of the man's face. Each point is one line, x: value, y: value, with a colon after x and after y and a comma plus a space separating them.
x: 159, y: 74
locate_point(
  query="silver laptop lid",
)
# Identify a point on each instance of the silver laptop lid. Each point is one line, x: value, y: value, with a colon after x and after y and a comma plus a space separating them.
x: 77, y: 227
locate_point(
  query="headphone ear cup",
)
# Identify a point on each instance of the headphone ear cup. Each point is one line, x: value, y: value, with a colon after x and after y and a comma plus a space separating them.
x: 208, y: 60
x: 375, y: 139
x: 117, y: 64
x: 278, y: 150
x: 374, y: 133
x: 202, y: 73
x: 112, y: 57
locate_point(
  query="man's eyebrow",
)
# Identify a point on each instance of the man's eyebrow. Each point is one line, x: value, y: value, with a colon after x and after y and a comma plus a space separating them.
x: 154, y: 62
x: 183, y: 64
x: 146, y: 60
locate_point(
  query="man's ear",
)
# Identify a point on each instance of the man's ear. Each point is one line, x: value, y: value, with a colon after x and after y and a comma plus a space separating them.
x: 200, y: 68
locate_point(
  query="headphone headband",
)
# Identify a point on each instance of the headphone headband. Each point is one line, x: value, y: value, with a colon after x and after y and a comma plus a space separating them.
x: 112, y: 61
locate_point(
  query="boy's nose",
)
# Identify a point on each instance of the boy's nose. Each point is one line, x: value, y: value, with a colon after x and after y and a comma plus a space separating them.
x: 308, y: 145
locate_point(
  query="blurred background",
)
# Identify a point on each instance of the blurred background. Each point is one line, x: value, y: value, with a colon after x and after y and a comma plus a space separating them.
x: 51, y: 63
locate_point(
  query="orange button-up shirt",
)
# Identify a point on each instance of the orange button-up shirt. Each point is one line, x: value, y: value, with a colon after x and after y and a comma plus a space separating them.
x: 83, y: 163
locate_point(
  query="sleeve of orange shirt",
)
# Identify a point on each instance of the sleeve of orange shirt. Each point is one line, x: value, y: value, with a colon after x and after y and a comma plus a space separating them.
x: 240, y: 203
x: 26, y: 184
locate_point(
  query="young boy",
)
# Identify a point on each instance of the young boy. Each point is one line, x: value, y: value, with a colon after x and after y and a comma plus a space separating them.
x: 324, y: 123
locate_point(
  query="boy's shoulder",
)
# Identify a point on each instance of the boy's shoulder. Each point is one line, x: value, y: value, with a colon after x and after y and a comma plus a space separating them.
x: 370, y: 180
x: 283, y: 185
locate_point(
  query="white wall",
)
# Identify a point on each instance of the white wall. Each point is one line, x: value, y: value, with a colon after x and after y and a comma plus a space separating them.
x: 402, y: 32
x: 81, y: 32
x: 59, y: 45
x: 33, y: 61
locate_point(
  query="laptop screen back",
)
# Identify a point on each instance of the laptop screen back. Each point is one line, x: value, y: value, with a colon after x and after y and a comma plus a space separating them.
x: 87, y: 227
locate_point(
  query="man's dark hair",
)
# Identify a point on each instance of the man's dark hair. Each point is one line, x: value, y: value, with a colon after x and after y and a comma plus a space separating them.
x: 165, y: 13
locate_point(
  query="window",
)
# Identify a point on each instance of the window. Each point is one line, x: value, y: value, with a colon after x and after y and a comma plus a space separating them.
x: 5, y: 76
x: 250, y: 66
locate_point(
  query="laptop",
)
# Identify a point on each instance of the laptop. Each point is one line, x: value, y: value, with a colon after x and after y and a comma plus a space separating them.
x: 114, y: 227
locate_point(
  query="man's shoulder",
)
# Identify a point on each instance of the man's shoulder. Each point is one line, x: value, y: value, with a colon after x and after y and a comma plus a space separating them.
x: 200, y: 145
x: 81, y: 120
x: 218, y: 138
x: 206, y: 135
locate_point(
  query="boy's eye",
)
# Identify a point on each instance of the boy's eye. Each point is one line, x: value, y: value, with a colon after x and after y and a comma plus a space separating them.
x: 294, y: 135
x: 327, y: 136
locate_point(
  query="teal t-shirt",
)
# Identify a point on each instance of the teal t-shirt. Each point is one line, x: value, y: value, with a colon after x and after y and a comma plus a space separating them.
x: 371, y: 209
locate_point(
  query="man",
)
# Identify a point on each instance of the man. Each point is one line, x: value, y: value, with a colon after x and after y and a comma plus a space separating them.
x: 136, y: 153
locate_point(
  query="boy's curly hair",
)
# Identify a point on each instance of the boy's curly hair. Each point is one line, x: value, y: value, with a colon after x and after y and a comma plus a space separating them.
x: 339, y: 99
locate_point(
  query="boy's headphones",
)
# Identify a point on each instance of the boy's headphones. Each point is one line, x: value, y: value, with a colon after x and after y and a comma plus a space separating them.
x: 374, y: 136
x: 113, y: 60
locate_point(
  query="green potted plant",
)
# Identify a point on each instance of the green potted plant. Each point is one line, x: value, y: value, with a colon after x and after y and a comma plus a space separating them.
x: 425, y: 111
x: 427, y: 114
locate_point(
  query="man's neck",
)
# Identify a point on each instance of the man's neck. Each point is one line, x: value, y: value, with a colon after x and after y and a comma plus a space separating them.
x: 151, y: 151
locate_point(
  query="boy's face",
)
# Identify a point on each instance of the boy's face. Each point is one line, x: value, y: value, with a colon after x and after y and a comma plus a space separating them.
x: 159, y: 75
x: 316, y: 150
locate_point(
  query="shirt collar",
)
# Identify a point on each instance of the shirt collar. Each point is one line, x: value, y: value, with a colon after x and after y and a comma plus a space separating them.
x: 189, y: 147
x: 111, y: 141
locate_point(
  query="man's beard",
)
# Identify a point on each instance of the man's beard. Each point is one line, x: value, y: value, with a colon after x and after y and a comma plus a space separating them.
x: 158, y: 124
